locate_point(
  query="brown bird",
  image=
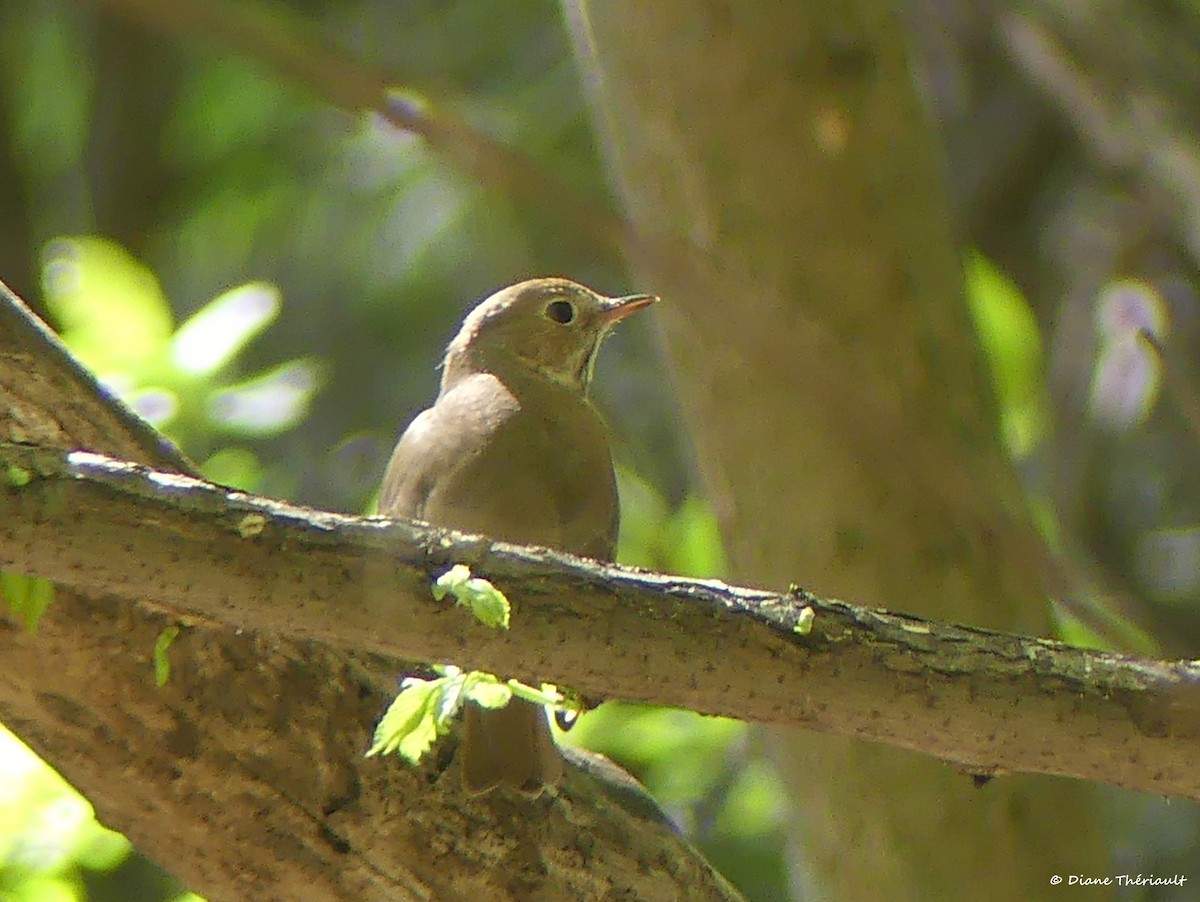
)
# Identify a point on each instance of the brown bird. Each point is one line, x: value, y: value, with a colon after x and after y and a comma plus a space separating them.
x: 512, y: 448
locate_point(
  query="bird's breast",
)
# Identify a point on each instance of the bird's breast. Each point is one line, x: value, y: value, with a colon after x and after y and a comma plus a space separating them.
x: 536, y: 469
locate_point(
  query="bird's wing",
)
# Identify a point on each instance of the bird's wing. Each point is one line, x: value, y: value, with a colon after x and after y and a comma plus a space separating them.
x: 481, y: 461
x: 440, y: 442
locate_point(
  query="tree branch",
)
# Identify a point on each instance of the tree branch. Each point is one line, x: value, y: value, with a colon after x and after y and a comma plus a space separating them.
x: 984, y: 700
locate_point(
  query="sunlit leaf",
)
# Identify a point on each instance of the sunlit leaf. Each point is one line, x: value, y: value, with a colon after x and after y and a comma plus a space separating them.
x: 27, y: 596
x: 480, y: 597
x: 677, y: 753
x: 238, y: 468
x: 1128, y: 637
x: 162, y: 662
x: 756, y: 802
x: 1012, y: 344
x: 110, y: 308
x: 644, y: 516
x: 44, y: 823
x: 408, y: 727
x: 212, y: 336
x: 489, y: 693
x: 425, y: 710
x: 693, y: 541
x: 270, y: 403
x: 17, y: 477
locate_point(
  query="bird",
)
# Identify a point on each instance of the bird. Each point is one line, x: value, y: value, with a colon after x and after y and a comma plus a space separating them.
x: 513, y: 448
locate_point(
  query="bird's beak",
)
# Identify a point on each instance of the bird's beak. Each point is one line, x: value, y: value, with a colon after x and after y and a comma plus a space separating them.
x: 616, y: 309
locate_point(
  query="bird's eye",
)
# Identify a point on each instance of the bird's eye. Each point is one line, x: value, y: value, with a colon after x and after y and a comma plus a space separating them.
x: 562, y: 312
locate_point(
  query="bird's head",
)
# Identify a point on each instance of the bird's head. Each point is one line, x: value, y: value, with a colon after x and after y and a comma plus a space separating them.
x: 550, y: 327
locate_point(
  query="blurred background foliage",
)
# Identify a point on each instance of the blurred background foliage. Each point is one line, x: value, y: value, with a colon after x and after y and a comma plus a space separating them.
x: 271, y: 282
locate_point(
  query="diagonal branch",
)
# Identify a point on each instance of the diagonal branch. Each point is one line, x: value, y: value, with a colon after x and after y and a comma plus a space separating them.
x: 285, y: 46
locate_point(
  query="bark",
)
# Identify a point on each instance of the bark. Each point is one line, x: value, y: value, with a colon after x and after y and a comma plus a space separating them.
x: 988, y: 702
x: 823, y: 355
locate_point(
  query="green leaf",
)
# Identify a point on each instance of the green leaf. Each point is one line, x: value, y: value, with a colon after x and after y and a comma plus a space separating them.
x: 678, y: 754
x: 489, y: 692
x: 804, y: 623
x: 425, y: 709
x: 47, y: 830
x: 214, y: 335
x: 693, y: 540
x: 162, y: 664
x: 684, y: 541
x: 112, y: 312
x: 234, y: 466
x: 27, y: 596
x: 644, y: 516
x: 408, y: 727
x: 1012, y: 343
x: 269, y: 403
x: 480, y: 597
x: 1127, y: 635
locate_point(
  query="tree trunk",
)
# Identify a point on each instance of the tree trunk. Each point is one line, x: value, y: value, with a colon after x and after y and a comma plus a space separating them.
x: 824, y: 357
